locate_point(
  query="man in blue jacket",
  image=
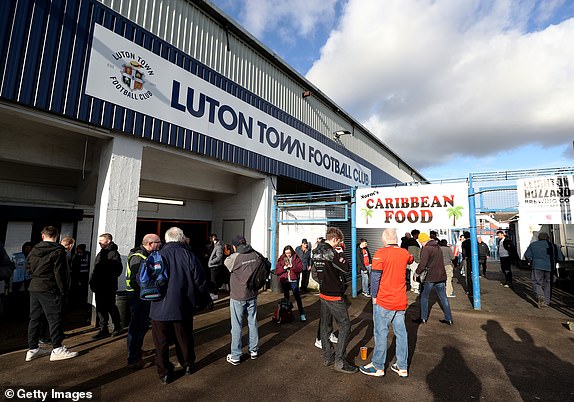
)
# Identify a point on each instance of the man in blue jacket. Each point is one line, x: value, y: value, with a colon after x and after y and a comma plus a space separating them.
x: 172, y: 317
x: 543, y: 256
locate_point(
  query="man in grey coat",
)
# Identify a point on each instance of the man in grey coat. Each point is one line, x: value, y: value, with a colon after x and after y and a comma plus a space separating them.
x: 242, y: 301
x: 543, y: 256
x: 215, y: 265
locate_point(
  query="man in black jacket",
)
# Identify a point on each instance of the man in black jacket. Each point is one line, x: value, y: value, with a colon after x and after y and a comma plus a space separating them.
x: 104, y: 283
x: 304, y: 253
x: 49, y: 284
x: 508, y: 255
x: 483, y: 254
x: 139, y: 309
x: 331, y: 268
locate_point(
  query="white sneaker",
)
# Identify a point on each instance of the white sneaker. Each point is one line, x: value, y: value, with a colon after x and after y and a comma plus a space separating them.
x: 253, y: 355
x: 62, y: 353
x: 231, y: 360
x: 333, y: 338
x: 213, y: 296
x: 400, y: 372
x: 35, y: 353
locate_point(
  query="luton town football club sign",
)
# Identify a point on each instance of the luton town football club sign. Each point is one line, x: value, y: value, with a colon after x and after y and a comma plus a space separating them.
x: 128, y: 75
x: 430, y: 206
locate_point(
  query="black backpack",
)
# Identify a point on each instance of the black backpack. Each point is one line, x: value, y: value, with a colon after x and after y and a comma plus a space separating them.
x: 260, y: 275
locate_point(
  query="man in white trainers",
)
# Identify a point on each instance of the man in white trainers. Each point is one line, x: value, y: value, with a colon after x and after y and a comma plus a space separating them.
x: 389, y: 292
x: 242, y: 300
x: 49, y: 284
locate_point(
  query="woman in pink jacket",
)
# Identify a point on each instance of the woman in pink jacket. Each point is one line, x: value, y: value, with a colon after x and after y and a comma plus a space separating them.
x: 288, y: 269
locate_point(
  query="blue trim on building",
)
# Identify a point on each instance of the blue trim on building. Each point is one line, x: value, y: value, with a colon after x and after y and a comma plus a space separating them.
x: 49, y: 74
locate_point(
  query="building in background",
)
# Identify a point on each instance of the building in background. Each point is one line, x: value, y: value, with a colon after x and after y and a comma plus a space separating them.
x: 154, y: 113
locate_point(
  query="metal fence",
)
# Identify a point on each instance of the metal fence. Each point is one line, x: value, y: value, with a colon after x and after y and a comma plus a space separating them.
x: 493, y: 205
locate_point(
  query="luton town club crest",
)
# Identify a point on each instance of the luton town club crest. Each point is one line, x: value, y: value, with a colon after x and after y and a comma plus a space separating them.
x: 132, y: 76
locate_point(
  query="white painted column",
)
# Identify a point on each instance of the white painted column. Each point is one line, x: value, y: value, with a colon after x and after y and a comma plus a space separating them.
x: 262, y: 202
x: 117, y: 195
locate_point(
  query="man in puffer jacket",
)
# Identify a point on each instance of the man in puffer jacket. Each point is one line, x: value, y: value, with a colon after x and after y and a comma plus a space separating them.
x: 331, y: 268
x: 49, y: 284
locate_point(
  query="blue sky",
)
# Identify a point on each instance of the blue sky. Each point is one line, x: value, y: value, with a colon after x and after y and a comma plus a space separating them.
x: 452, y: 86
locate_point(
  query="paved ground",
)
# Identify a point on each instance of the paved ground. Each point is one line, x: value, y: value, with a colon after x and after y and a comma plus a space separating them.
x: 510, y: 350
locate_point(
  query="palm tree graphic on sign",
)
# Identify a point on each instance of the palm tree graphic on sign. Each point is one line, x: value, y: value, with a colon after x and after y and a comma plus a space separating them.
x: 367, y: 213
x: 455, y: 212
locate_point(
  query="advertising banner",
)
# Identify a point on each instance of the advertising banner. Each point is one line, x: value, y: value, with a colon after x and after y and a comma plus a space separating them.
x: 545, y: 199
x: 126, y: 74
x: 425, y: 207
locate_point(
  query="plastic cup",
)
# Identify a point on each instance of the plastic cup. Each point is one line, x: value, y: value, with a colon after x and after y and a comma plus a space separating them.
x: 363, y: 352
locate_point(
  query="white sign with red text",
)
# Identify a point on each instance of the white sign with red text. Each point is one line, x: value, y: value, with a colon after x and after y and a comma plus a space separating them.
x: 427, y: 206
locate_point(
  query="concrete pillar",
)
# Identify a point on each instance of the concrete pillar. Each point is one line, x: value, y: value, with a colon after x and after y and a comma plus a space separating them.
x: 261, y: 215
x: 261, y: 204
x: 117, y: 194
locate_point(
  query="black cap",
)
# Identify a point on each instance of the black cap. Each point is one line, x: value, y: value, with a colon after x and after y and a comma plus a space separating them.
x: 304, y: 241
x: 237, y: 240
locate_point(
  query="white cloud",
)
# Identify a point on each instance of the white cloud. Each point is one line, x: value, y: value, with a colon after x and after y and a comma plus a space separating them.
x: 296, y: 17
x: 446, y: 78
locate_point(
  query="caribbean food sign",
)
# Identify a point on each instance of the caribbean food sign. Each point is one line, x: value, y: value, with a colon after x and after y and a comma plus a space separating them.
x: 546, y: 199
x: 126, y: 74
x: 429, y: 206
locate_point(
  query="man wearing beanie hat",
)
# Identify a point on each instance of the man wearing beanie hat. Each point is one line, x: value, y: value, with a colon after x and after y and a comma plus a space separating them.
x: 432, y: 261
x: 423, y: 238
x: 242, y: 301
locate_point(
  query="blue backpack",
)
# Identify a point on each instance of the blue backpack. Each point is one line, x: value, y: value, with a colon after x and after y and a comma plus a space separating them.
x: 153, y: 278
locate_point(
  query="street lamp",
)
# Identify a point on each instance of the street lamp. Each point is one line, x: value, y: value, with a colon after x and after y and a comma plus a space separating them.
x: 337, y: 134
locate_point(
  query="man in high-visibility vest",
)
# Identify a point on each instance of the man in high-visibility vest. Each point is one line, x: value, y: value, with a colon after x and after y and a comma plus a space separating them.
x: 139, y: 309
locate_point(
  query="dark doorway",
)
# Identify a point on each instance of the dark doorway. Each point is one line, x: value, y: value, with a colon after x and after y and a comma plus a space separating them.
x: 197, y: 231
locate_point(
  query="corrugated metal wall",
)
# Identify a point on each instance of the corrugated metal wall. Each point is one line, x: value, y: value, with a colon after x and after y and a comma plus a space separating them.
x: 185, y: 26
x: 44, y: 49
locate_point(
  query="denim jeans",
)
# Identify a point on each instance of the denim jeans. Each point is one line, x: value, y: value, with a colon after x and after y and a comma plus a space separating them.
x: 335, y: 310
x: 47, y: 304
x: 365, y: 276
x: 239, y: 308
x: 381, y: 320
x: 139, y: 325
x: 294, y: 287
x: 440, y: 289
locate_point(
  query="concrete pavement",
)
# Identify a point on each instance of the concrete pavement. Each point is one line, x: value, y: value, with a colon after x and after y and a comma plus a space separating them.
x: 510, y: 350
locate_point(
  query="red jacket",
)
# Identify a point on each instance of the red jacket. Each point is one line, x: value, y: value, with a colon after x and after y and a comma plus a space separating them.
x: 282, y: 270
